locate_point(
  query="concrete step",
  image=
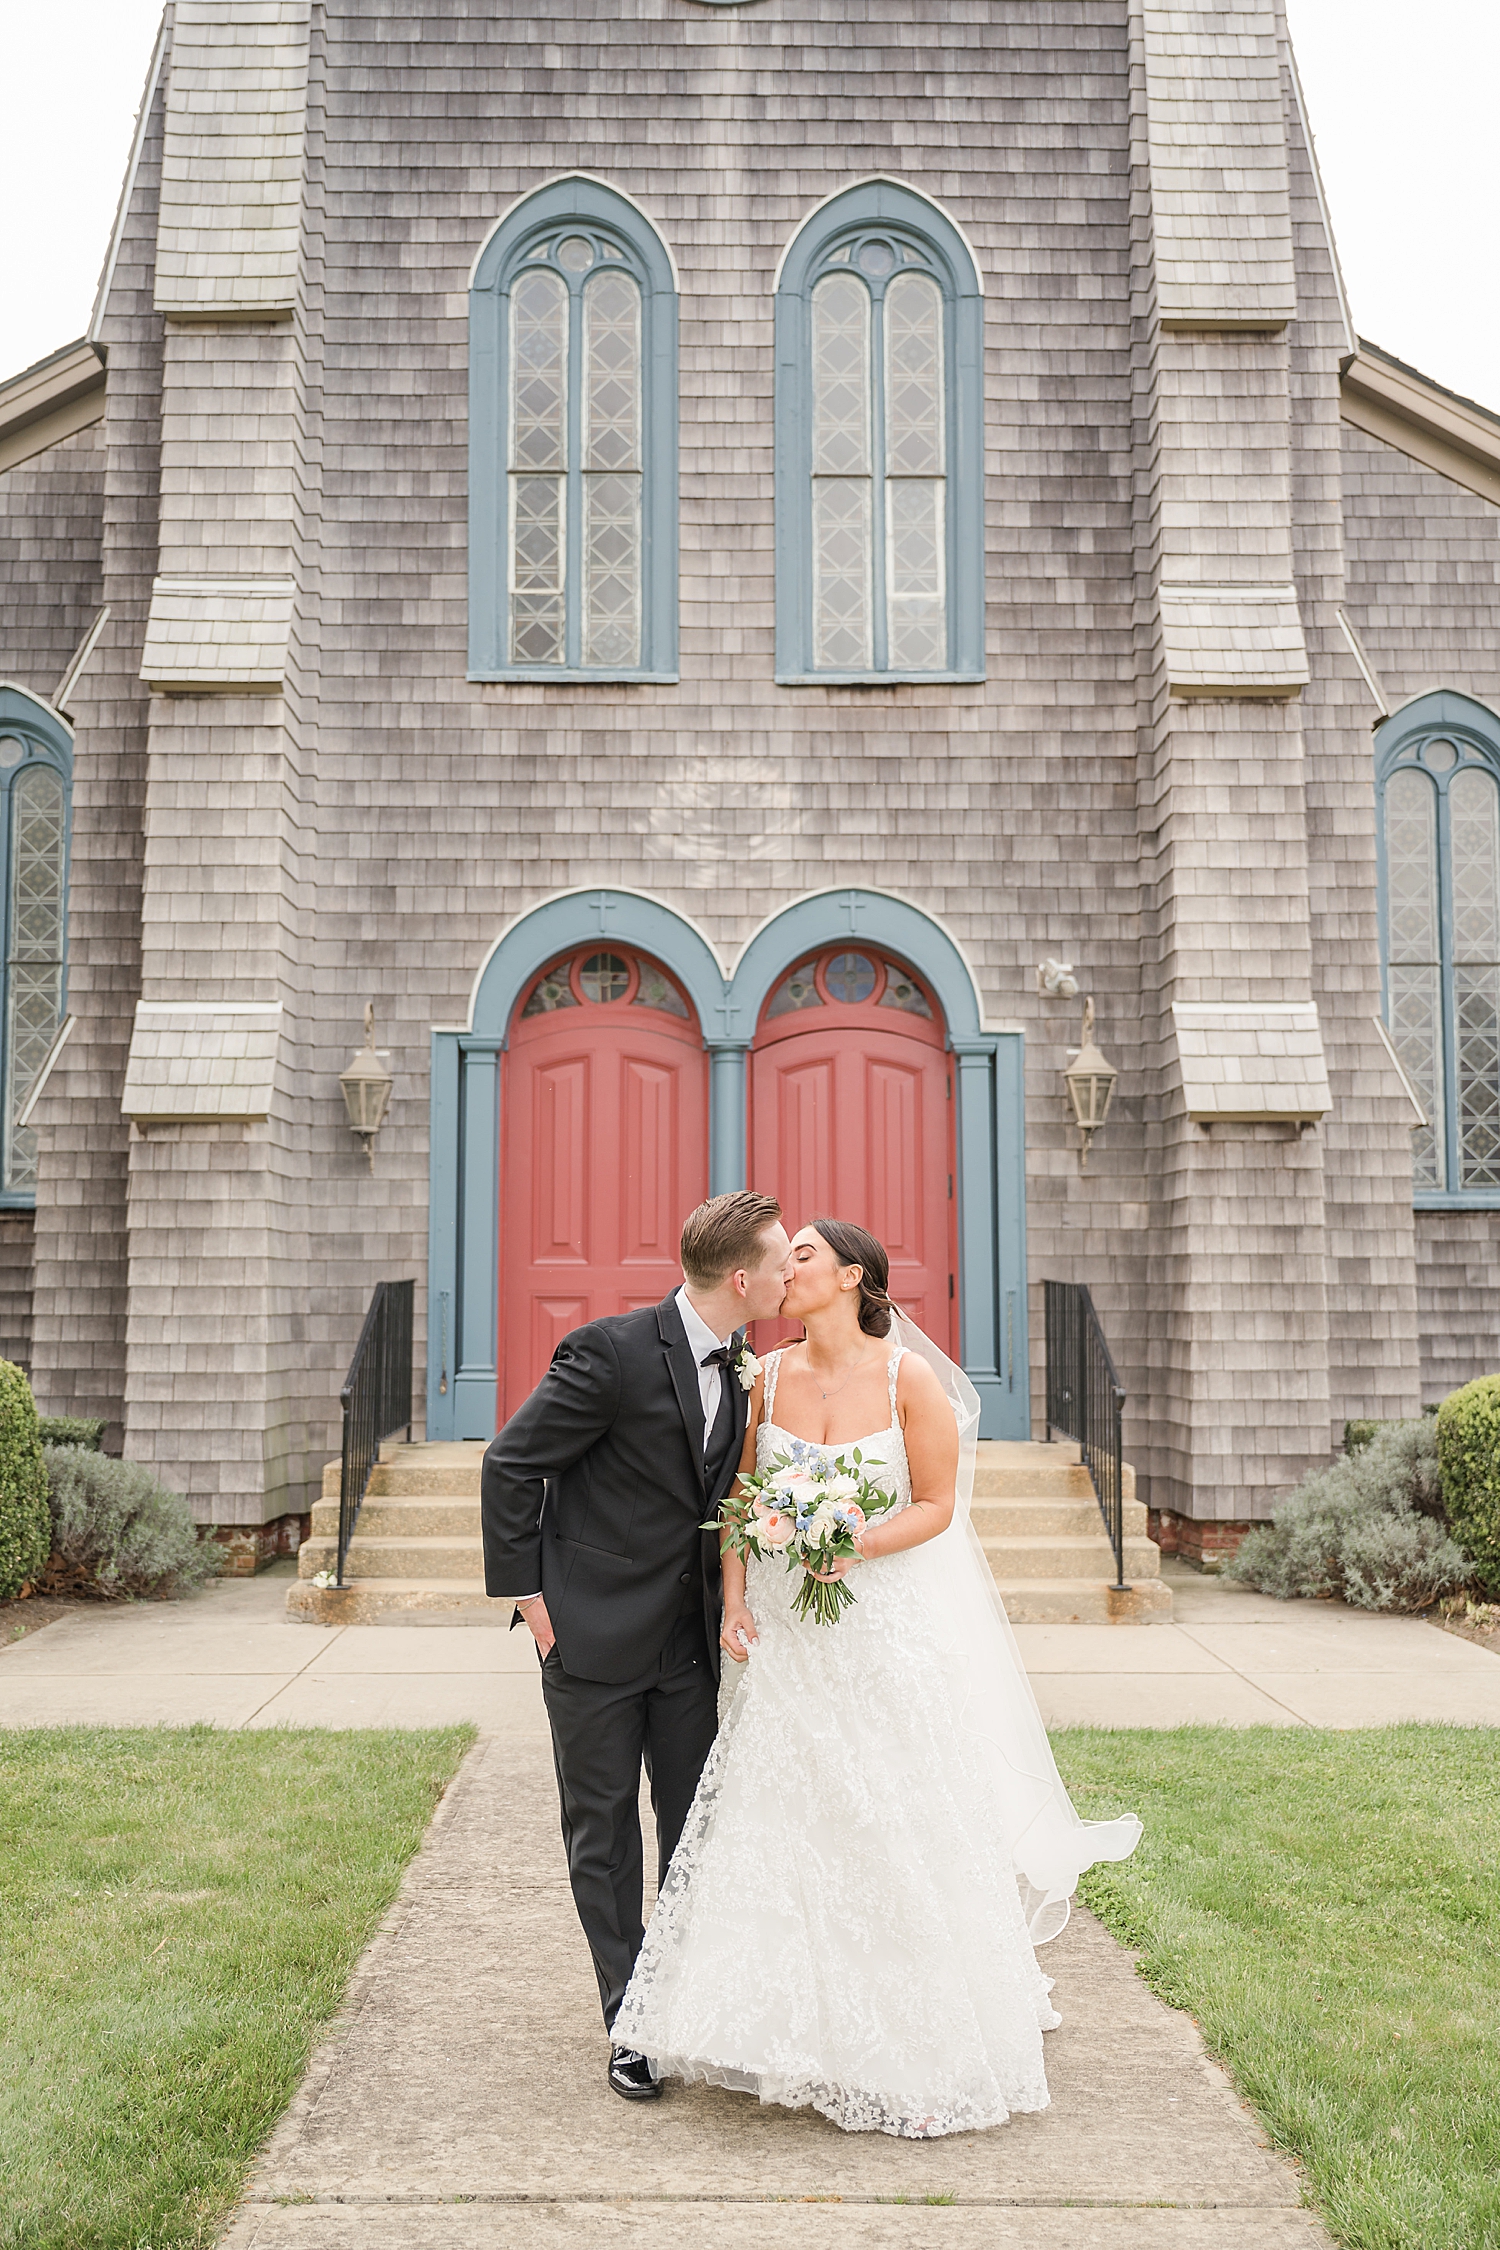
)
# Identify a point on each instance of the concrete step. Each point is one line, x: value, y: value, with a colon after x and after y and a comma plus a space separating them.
x: 1085, y: 1601
x: 394, y: 1601
x: 1013, y: 1469
x: 1032, y: 1559
x: 429, y: 1558
x: 1047, y: 1519
x: 446, y: 1467
x: 403, y: 1517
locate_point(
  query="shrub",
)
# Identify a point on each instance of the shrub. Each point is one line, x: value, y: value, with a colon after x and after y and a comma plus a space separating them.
x: 1468, y: 1427
x: 116, y: 1531
x: 25, y: 1531
x: 73, y: 1429
x: 1368, y: 1529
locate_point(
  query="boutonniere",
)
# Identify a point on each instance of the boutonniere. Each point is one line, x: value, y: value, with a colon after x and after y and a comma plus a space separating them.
x: 747, y: 1367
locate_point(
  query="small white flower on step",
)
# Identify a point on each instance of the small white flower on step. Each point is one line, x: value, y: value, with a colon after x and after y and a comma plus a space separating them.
x: 322, y: 1578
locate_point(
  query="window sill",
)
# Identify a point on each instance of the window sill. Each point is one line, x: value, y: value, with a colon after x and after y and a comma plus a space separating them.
x: 1462, y: 1199
x: 880, y: 679
x: 557, y: 675
x: 18, y: 1199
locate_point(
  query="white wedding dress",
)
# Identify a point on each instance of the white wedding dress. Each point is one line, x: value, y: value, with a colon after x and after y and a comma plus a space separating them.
x: 849, y: 1920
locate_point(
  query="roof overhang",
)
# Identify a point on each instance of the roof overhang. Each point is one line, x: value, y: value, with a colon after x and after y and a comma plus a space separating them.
x: 1392, y: 402
x: 50, y: 401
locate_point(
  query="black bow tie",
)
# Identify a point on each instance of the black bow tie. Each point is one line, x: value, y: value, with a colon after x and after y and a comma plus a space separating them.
x: 722, y: 1355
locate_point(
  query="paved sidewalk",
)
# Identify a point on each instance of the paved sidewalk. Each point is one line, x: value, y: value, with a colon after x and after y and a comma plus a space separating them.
x: 461, y: 2102
x: 228, y: 1656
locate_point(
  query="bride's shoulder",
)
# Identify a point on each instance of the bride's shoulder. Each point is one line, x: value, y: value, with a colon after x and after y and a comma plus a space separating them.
x: 917, y: 1384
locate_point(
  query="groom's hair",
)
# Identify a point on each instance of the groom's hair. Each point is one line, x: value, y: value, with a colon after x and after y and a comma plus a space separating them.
x: 724, y: 1234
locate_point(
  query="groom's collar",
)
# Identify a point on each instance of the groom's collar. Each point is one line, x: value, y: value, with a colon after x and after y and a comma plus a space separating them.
x: 696, y: 1328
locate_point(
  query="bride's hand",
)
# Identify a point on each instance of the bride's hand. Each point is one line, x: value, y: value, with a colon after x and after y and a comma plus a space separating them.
x: 838, y: 1569
x: 737, y: 1621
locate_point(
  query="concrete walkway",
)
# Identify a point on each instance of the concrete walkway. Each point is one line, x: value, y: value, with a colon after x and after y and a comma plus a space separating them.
x: 460, y: 2103
x: 229, y: 1656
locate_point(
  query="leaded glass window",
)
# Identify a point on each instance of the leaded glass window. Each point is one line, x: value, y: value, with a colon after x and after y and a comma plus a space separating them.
x: 573, y: 443
x: 880, y: 548
x: 34, y: 773
x: 1441, y: 870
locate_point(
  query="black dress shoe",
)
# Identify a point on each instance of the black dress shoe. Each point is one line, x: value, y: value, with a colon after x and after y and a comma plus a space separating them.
x: 630, y: 2075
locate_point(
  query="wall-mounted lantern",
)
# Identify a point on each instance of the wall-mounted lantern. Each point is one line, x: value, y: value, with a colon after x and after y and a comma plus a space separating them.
x: 367, y: 1089
x: 1090, y: 1081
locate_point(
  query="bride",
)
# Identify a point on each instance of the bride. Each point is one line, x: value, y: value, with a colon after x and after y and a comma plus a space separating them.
x: 880, y: 1838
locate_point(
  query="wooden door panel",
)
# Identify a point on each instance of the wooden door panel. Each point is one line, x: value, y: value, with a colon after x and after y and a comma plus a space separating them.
x: 552, y: 1318
x: 560, y: 1106
x: 650, y: 1104
x: 894, y: 1171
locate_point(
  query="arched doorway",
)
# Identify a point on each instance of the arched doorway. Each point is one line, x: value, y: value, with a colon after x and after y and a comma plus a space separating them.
x: 603, y: 1150
x: 851, y: 1114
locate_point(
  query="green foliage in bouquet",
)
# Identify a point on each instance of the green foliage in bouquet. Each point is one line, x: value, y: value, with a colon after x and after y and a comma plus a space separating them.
x: 25, y: 1524
x: 1468, y: 1437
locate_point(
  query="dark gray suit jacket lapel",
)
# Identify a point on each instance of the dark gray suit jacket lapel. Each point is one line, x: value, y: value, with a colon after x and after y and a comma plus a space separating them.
x: 683, y: 1369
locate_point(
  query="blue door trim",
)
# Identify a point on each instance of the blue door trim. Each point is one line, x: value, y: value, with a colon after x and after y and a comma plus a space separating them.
x: 987, y: 1087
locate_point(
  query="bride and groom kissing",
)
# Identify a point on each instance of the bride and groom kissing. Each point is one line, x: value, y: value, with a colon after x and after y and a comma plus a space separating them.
x: 856, y: 1866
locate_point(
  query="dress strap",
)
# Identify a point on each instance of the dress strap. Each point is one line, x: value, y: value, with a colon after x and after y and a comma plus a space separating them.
x: 773, y: 1369
x: 891, y: 1366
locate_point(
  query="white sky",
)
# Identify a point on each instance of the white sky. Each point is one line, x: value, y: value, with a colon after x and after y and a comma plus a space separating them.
x: 1400, y: 97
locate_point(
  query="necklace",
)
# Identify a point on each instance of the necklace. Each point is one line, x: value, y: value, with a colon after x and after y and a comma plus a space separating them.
x: 848, y: 1379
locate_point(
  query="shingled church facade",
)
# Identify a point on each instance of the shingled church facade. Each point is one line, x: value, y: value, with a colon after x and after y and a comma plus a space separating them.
x: 723, y: 566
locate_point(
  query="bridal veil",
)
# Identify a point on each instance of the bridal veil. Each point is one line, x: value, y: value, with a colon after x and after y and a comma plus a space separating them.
x: 1049, y: 1844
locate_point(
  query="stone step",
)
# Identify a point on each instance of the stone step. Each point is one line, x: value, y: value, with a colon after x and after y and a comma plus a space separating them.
x: 447, y: 1467
x: 1069, y: 1557
x: 402, y: 1517
x: 1016, y: 1469
x: 1086, y: 1601
x: 1045, y: 1519
x: 461, y: 1560
x: 394, y: 1601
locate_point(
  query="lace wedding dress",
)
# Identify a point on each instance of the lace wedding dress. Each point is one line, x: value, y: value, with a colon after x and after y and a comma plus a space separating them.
x: 849, y: 1920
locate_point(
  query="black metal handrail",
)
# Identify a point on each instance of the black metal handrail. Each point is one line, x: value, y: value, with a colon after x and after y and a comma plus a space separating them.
x: 376, y: 1398
x: 1085, y: 1402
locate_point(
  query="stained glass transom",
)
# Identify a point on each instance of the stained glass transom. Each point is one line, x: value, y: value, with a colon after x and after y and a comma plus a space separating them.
x: 1442, y: 879
x: 878, y: 462
x: 604, y: 978
x: 850, y: 978
x: 655, y: 992
x: 34, y: 958
x: 575, y: 413
x: 902, y: 991
x: 794, y: 992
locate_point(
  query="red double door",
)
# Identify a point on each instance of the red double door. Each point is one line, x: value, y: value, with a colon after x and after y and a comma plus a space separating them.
x: 604, y: 1139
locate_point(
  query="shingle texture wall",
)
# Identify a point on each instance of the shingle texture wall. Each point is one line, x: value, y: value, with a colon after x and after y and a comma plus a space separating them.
x: 1164, y: 518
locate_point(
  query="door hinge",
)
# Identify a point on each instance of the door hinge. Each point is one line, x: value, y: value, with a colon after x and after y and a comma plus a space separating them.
x: 949, y: 1083
x: 950, y: 1288
x: 950, y: 1187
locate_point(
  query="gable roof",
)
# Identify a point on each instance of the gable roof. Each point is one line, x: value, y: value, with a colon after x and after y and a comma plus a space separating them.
x: 49, y: 401
x: 1385, y: 398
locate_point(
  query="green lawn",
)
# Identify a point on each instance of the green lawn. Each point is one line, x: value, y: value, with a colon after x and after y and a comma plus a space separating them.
x: 1328, y: 1907
x: 179, y: 1914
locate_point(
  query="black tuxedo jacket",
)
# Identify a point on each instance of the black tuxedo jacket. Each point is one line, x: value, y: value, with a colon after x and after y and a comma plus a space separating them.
x: 595, y: 1489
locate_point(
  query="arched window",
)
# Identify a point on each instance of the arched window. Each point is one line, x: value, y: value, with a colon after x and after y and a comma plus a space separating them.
x: 573, y: 443
x: 36, y: 773
x: 879, y: 445
x: 1438, y: 778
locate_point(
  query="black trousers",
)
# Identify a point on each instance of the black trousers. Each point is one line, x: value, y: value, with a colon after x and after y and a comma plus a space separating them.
x: 601, y: 1736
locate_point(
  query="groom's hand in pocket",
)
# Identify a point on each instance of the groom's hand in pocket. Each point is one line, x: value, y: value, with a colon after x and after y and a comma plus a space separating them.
x: 535, y: 1614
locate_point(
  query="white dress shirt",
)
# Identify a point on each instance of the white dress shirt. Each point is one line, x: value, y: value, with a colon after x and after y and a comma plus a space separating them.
x: 702, y: 1339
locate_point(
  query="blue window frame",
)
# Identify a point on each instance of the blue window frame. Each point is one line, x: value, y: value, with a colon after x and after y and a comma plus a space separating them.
x: 1438, y: 787
x: 573, y: 443
x: 879, y: 446
x: 36, y: 783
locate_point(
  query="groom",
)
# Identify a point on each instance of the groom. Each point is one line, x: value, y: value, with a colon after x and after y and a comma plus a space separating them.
x: 591, y: 1501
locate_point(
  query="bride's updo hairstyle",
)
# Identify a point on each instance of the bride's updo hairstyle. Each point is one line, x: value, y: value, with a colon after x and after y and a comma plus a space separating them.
x: 853, y: 1246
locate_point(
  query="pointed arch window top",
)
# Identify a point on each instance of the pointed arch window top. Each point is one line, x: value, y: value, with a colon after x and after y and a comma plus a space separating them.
x: 573, y: 443
x: 879, y: 445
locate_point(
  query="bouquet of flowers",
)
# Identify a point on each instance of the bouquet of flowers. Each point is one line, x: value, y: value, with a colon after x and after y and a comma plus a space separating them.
x: 807, y: 1507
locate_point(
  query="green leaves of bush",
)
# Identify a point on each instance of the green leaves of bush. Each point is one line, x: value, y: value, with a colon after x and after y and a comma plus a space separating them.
x: 1468, y: 1436
x: 116, y: 1531
x: 25, y: 1524
x: 1367, y: 1530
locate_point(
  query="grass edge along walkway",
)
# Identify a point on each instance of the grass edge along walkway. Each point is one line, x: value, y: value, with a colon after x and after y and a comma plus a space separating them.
x: 180, y: 1913
x: 1327, y: 1907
